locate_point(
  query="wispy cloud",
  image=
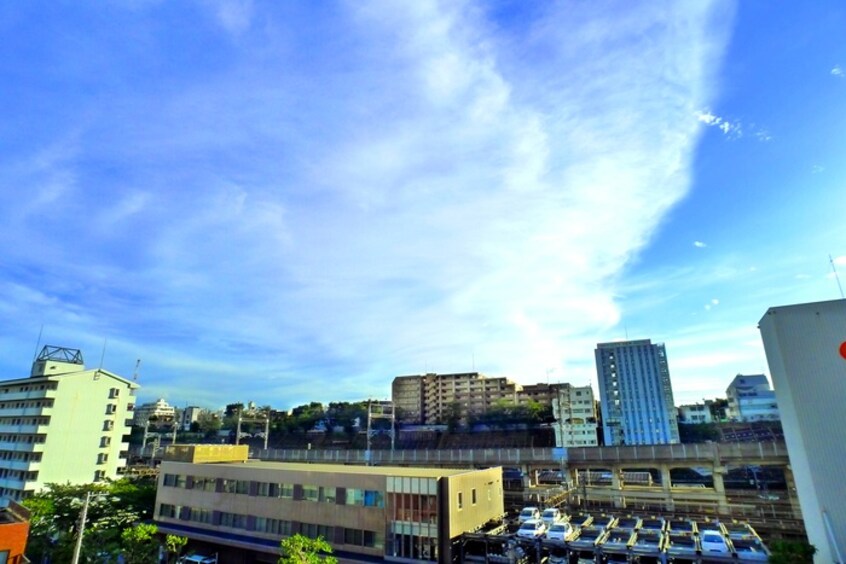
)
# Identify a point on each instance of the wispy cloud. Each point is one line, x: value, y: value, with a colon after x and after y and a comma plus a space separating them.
x: 733, y: 129
x: 370, y: 192
x: 699, y: 244
x: 838, y: 72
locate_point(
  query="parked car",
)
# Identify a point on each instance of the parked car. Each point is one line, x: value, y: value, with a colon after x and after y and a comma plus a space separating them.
x: 532, y: 529
x: 528, y: 513
x: 560, y: 531
x: 551, y: 516
x: 712, y: 541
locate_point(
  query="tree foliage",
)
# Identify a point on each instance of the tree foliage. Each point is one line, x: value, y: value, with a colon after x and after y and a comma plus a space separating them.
x: 139, y: 544
x: 174, y: 545
x: 298, y: 549
x: 791, y: 552
x: 113, y: 507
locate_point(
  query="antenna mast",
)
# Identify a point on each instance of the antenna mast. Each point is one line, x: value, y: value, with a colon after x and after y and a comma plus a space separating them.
x: 836, y: 277
x: 135, y: 374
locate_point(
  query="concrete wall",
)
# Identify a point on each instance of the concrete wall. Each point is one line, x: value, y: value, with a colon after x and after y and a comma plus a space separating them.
x: 805, y: 346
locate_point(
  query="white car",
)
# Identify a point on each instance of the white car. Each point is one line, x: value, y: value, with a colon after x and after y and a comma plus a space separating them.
x: 712, y: 541
x: 560, y: 532
x: 551, y: 516
x: 528, y: 513
x: 532, y: 529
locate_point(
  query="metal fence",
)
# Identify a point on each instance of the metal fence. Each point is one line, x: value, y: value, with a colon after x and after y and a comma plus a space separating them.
x: 773, y: 452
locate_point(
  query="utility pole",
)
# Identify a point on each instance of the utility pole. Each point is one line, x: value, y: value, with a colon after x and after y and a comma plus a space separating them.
x: 81, y: 531
x: 266, y: 428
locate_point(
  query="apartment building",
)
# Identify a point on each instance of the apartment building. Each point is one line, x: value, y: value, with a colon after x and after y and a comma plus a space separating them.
x: 240, y: 508
x: 63, y: 423
x: 695, y: 413
x: 159, y: 410
x: 14, y: 531
x: 636, y: 394
x: 574, y: 410
x: 750, y: 398
x: 429, y: 399
x: 806, y: 352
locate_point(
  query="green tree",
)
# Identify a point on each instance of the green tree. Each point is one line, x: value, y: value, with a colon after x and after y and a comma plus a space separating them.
x: 113, y: 507
x: 174, y: 545
x: 298, y: 549
x: 140, y: 545
x: 791, y: 552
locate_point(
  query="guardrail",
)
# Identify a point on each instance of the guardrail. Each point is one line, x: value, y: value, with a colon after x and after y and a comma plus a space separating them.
x: 723, y: 453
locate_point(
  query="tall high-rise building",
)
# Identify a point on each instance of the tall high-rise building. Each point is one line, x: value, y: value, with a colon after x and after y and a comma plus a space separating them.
x: 806, y: 352
x: 61, y: 424
x: 635, y: 393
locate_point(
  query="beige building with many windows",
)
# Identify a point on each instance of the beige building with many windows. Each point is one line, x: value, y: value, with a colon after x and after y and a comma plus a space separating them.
x: 63, y: 423
x: 241, y: 509
x: 574, y: 410
x: 430, y: 399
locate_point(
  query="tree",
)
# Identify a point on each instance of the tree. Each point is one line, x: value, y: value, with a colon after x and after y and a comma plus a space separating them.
x: 140, y: 545
x: 174, y: 545
x: 113, y: 507
x: 452, y: 416
x: 298, y: 549
x: 792, y: 552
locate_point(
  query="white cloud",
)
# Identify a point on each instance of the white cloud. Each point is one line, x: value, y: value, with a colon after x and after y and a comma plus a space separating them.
x: 839, y: 261
x: 699, y: 244
x: 837, y: 71
x: 391, y: 195
x: 732, y: 129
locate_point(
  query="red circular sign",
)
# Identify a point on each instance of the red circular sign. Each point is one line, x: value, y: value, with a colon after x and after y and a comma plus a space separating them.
x: 843, y: 349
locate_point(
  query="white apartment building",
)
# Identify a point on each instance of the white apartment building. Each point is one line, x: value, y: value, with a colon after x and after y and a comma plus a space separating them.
x: 61, y: 424
x: 159, y: 409
x: 574, y: 410
x: 189, y: 415
x: 695, y: 413
x: 750, y: 398
x: 806, y: 352
x: 636, y: 394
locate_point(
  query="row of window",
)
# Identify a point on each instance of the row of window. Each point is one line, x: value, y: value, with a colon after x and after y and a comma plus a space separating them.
x: 27, y: 388
x: 20, y: 438
x: 299, y: 492
x: 24, y: 420
x: 18, y: 474
x: 22, y: 456
x: 268, y: 525
x: 48, y: 402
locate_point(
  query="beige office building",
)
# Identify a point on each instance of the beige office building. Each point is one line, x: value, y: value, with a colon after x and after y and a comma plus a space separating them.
x: 241, y: 509
x: 61, y: 424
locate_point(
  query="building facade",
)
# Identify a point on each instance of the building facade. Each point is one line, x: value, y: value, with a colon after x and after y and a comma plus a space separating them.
x: 750, y: 398
x: 695, y: 414
x: 429, y: 399
x: 574, y: 409
x: 241, y: 508
x: 806, y: 352
x: 159, y: 409
x: 188, y: 416
x: 14, y: 531
x: 62, y: 424
x: 636, y: 394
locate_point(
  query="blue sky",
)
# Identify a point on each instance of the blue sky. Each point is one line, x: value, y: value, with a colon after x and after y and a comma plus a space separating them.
x: 293, y: 202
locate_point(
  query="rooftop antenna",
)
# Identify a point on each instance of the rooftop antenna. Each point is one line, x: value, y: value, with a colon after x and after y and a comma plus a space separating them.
x: 38, y: 343
x: 135, y: 373
x: 836, y: 277
x: 102, y: 354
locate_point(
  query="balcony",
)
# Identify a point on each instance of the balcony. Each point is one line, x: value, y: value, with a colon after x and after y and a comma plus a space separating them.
x: 26, y: 411
x: 24, y: 465
x: 24, y: 429
x: 31, y: 394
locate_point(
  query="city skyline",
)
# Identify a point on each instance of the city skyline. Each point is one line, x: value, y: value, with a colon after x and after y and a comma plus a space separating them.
x: 300, y: 202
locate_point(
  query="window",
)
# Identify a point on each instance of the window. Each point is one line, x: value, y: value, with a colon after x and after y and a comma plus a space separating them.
x: 473, y: 496
x: 460, y: 500
x: 326, y: 494
x: 111, y: 409
x: 242, y: 486
x: 169, y: 480
x: 114, y: 392
x: 310, y: 492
